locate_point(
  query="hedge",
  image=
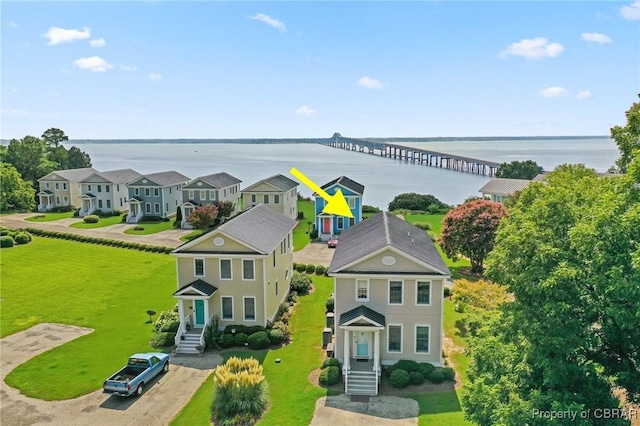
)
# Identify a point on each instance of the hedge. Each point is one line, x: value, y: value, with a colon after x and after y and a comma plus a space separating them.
x: 6, y: 241
x: 329, y: 376
x: 399, y: 378
x: 259, y: 340
x: 436, y: 377
x: 330, y: 362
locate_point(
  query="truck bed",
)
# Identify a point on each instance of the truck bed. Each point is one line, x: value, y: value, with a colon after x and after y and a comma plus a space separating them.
x: 127, y: 374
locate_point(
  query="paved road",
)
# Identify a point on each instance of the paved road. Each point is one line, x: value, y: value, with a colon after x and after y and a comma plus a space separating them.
x: 162, y: 400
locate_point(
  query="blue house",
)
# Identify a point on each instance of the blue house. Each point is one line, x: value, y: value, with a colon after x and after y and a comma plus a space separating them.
x: 328, y: 224
x: 156, y: 194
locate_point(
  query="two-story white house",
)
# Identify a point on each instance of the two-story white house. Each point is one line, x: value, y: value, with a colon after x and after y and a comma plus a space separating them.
x: 388, y: 288
x: 106, y: 191
x: 156, y: 194
x: 207, y: 190
x: 61, y: 188
x: 239, y: 271
x: 278, y: 192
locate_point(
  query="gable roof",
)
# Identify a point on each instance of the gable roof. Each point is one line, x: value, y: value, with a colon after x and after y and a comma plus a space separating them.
x: 166, y: 178
x: 72, y: 175
x: 347, y: 183
x: 280, y: 182
x: 218, y: 180
x: 116, y: 176
x: 385, y: 230
x: 364, y: 312
x: 199, y: 286
x: 503, y: 186
x: 258, y: 227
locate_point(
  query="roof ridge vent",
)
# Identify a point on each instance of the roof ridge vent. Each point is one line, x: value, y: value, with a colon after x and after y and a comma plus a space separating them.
x: 408, y: 233
x: 412, y: 241
x: 386, y: 227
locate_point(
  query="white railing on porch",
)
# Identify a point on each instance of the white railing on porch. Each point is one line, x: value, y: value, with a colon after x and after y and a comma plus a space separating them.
x: 202, y: 336
x: 182, y: 328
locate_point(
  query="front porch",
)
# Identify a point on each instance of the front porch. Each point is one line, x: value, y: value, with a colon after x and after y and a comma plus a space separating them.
x: 136, y: 212
x: 46, y: 200
x: 193, y: 311
x: 88, y: 204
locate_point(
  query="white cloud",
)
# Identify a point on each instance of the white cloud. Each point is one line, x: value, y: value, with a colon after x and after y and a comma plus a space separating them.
x: 12, y: 24
x: 93, y: 63
x: 596, y: 38
x: 128, y: 68
x: 370, y: 83
x: 554, y: 92
x: 585, y: 94
x: 631, y: 11
x: 155, y: 77
x: 60, y: 35
x: 305, y: 110
x: 533, y: 48
x: 15, y: 111
x: 99, y: 42
x: 278, y: 25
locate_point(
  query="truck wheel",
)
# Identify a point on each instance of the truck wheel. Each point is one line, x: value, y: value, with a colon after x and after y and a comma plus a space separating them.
x: 165, y: 367
x: 140, y: 389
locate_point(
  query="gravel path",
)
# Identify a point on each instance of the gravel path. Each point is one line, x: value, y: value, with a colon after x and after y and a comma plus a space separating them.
x: 379, y: 411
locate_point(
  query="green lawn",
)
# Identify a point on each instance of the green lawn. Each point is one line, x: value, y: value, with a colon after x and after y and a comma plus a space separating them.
x: 440, y: 409
x: 301, y: 231
x: 150, y: 227
x: 104, y: 221
x: 191, y: 235
x: 84, y: 285
x: 48, y: 217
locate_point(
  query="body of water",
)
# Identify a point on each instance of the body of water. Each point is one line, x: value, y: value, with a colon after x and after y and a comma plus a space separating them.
x: 383, y: 178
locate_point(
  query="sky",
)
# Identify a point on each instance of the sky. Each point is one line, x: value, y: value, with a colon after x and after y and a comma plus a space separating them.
x: 158, y: 69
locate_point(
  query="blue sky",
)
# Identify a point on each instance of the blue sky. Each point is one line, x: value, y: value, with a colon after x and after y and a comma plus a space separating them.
x: 106, y: 70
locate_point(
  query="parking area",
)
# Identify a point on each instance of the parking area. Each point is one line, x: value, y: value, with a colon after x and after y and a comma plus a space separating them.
x: 315, y: 253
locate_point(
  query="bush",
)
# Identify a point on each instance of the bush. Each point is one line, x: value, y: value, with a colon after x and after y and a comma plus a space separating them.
x: 76, y: 213
x: 22, y: 238
x: 276, y: 336
x: 300, y: 215
x: 170, y: 326
x: 423, y: 225
x: 449, y: 374
x: 238, y: 328
x: 241, y: 339
x: 370, y: 209
x: 425, y: 369
x: 259, y: 340
x: 6, y: 241
x: 436, y: 376
x: 320, y: 270
x: 329, y: 376
x: 330, y: 362
x: 310, y: 269
x: 227, y: 341
x: 399, y: 378
x: 62, y: 209
x: 241, y: 393
x: 163, y: 339
x: 301, y: 267
x: 329, y: 304
x: 301, y: 284
x: 152, y: 218
x: 165, y: 319
x: 92, y: 218
x: 413, y: 201
x: 313, y: 234
x: 416, y: 378
x: 447, y: 292
x: 138, y: 228
x: 284, y: 328
x: 407, y: 365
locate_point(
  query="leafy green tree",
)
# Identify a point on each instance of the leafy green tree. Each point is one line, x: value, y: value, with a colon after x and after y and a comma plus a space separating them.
x: 628, y: 137
x: 78, y: 159
x: 413, y: 201
x: 15, y: 193
x: 519, y: 170
x: 225, y: 208
x: 469, y: 230
x: 28, y: 156
x: 203, y: 217
x: 60, y: 156
x: 178, y: 220
x: 54, y: 137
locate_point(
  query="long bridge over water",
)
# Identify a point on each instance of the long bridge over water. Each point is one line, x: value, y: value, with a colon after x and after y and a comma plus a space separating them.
x: 415, y: 155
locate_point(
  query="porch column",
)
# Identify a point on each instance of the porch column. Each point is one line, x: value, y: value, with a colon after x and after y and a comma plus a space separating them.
x: 181, y: 309
x: 206, y: 312
x: 376, y: 351
x: 347, y: 345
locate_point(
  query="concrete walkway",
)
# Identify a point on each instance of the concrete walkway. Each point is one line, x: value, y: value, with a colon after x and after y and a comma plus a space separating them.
x: 379, y: 411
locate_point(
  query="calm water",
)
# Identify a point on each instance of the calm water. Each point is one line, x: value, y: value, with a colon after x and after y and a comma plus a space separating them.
x: 383, y: 178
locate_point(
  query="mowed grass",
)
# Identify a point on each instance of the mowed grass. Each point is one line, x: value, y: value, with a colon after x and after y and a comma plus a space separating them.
x: 150, y: 228
x: 440, y: 409
x: 301, y: 231
x: 49, y: 217
x: 51, y: 280
x: 292, y: 395
x: 104, y: 221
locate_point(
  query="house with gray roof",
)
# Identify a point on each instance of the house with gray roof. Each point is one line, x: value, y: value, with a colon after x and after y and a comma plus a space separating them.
x: 278, y: 192
x: 207, y: 190
x: 499, y: 189
x: 239, y: 272
x: 388, y: 291
x: 106, y: 191
x: 328, y: 224
x: 155, y: 194
x: 61, y: 188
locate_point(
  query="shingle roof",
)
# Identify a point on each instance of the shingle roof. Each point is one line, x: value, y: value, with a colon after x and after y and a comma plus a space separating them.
x: 281, y: 182
x: 218, y: 180
x: 45, y: 191
x: 364, y: 311
x: 199, y: 285
x: 503, y: 186
x: 385, y: 230
x: 167, y: 178
x: 119, y: 176
x: 347, y: 183
x: 72, y: 175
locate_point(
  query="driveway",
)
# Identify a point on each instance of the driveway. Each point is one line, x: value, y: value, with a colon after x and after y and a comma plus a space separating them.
x: 315, y: 253
x: 162, y: 400
x: 379, y: 411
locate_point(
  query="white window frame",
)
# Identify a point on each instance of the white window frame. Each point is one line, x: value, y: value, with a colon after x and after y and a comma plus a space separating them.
x: 430, y: 292
x: 415, y: 340
x: 244, y: 309
x: 147, y: 192
x: 88, y: 187
x: 57, y: 200
x: 46, y: 185
x: 147, y: 208
x: 100, y: 204
x: 340, y: 222
x: 366, y: 281
x: 108, y: 204
x: 66, y: 200
x: 276, y: 199
x: 192, y: 194
x: 265, y: 198
x: 136, y: 191
x: 156, y: 192
x: 107, y: 188
x: 352, y: 202
x: 212, y: 194
x: 253, y: 267
x: 253, y: 198
x: 195, y: 269
x: 230, y: 269
x: 389, y: 293
x: 57, y: 186
x: 401, y: 337
x: 156, y: 207
x: 64, y: 185
x: 222, y: 308
x: 203, y: 194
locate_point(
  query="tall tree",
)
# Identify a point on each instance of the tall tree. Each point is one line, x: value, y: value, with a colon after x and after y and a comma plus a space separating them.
x: 519, y: 170
x: 60, y: 156
x: 78, y: 159
x: 225, y: 208
x: 15, y: 193
x: 469, y: 230
x: 628, y: 137
x: 28, y: 156
x: 54, y: 137
x: 203, y: 217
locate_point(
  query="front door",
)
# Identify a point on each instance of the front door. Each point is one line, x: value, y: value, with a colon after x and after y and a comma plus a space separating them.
x: 199, y: 312
x: 362, y: 344
x: 326, y: 225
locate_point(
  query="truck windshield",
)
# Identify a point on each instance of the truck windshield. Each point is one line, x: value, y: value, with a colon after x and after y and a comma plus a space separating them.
x: 138, y: 362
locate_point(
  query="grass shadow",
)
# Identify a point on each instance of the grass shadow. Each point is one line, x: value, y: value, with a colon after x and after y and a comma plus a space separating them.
x: 461, y: 327
x: 437, y: 402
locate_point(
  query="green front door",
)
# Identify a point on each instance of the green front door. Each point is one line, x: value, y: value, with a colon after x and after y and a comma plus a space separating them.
x: 199, y: 312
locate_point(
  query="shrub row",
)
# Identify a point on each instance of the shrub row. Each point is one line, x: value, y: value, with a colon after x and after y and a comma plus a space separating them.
x: 102, y: 241
x: 405, y: 371
x: 310, y: 269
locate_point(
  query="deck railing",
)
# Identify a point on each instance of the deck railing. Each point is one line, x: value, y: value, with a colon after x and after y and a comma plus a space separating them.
x: 182, y: 328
